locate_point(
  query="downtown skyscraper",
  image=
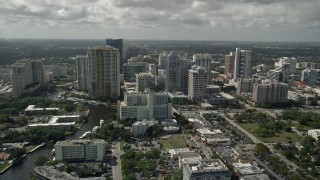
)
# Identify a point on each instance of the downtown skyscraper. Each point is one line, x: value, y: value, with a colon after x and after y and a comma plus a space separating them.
x: 99, y: 72
x: 118, y: 43
x: 242, y: 64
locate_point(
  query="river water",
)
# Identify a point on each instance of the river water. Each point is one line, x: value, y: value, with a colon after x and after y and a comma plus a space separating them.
x: 23, y: 169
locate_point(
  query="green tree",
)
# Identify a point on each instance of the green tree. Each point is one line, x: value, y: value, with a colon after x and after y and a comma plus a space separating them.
x: 40, y: 161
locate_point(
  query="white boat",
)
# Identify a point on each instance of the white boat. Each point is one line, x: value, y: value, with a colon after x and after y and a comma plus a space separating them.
x: 85, y: 134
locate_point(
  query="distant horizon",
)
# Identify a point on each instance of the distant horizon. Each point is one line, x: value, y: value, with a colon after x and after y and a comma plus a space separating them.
x: 132, y: 39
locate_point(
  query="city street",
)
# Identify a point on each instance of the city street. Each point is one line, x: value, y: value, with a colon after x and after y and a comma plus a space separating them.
x: 116, y: 169
x: 256, y: 140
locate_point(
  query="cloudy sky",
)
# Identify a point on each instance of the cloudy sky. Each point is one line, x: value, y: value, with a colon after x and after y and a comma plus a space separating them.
x: 254, y: 20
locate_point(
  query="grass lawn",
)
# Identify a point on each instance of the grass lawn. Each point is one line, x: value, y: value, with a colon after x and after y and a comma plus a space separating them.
x: 283, y: 136
x: 173, y: 142
x: 301, y: 127
x: 2, y: 166
x: 29, y: 148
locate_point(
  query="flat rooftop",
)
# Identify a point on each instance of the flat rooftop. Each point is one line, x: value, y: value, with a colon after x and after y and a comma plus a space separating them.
x: 51, y: 173
x: 209, y: 166
x: 80, y: 142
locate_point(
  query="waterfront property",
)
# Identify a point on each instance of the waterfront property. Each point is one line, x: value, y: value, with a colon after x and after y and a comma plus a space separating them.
x: 80, y: 150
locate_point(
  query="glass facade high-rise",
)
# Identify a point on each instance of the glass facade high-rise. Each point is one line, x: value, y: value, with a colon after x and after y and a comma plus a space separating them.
x: 118, y: 43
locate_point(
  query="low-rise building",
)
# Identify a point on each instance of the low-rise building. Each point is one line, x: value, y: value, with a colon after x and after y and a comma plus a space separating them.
x: 32, y: 110
x: 221, y: 98
x: 302, y: 98
x: 80, y: 150
x: 213, y: 89
x: 169, y: 122
x: 4, y: 157
x: 66, y: 122
x: 207, y: 169
x: 139, y: 128
x: 171, y: 129
x: 189, y: 158
x: 248, y: 171
x: 315, y: 133
x: 52, y: 173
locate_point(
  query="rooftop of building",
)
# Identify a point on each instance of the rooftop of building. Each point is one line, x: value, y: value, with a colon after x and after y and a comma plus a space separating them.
x: 80, y: 142
x: 50, y: 172
x: 32, y: 108
x: 178, y: 94
x: 256, y: 177
x: 208, y: 131
x: 208, y: 166
x: 103, y: 48
x: 179, y: 150
x: 145, y: 75
x: 247, y: 168
x: 314, y: 130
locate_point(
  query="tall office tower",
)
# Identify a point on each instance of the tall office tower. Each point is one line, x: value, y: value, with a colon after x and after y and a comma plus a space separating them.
x: 177, y: 73
x: 104, y: 71
x: 310, y: 76
x: 183, y: 74
x: 144, y: 81
x: 270, y: 92
x: 242, y: 64
x: 118, y: 43
x: 197, y: 83
x: 163, y: 60
x: 37, y: 71
x: 172, y: 75
x: 204, y: 60
x: 82, y: 72
x: 229, y: 65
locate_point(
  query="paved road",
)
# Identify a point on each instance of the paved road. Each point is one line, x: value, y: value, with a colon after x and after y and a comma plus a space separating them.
x: 252, y: 137
x: 266, y: 167
x: 256, y: 140
x: 116, y: 169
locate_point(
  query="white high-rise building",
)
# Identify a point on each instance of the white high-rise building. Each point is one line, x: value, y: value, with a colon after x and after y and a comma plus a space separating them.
x: 242, y: 64
x: 270, y: 92
x: 147, y: 105
x: 310, y: 76
x: 204, y: 60
x: 104, y: 71
x: 80, y: 150
x: 285, y: 62
x: 163, y: 60
x: 82, y: 72
x: 197, y: 83
x: 26, y: 72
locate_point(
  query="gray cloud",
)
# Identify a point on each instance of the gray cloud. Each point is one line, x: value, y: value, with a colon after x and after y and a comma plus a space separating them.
x: 178, y: 19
